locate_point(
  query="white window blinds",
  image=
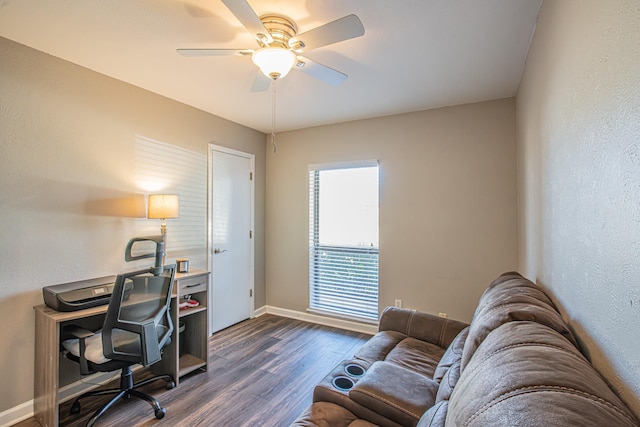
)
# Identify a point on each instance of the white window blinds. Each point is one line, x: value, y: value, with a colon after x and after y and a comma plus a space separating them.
x: 343, y: 239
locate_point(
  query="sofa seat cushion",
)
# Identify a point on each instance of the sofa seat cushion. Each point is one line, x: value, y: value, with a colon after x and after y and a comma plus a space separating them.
x: 379, y: 346
x: 415, y: 355
x: 527, y: 374
x: 397, y: 393
x: 326, y: 414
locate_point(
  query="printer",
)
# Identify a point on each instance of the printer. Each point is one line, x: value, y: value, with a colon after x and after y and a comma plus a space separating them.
x: 94, y: 292
x: 79, y: 295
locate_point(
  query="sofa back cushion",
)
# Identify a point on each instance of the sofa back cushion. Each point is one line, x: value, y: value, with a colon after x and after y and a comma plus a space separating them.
x: 448, y: 382
x: 509, y: 298
x: 422, y: 326
x: 452, y: 355
x: 525, y: 373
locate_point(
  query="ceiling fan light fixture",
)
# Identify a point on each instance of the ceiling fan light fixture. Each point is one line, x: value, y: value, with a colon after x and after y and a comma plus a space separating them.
x: 274, y: 62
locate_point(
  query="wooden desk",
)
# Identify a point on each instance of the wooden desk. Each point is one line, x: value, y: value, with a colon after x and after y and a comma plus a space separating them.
x: 194, y: 345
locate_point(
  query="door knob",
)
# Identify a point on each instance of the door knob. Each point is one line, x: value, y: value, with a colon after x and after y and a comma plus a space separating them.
x: 219, y: 251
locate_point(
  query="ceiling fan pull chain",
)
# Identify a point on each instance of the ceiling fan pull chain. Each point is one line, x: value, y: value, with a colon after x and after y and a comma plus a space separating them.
x: 273, y: 116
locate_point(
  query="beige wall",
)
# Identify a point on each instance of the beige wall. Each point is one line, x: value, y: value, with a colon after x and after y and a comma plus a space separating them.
x: 578, y: 131
x: 447, y: 204
x: 67, y: 139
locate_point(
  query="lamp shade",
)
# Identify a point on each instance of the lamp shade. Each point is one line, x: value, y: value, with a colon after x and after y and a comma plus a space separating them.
x: 274, y: 62
x: 163, y: 206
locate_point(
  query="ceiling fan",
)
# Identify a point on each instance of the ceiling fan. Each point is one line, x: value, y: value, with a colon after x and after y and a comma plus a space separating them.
x: 280, y: 45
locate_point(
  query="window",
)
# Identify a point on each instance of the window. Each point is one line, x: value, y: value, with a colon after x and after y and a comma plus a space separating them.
x: 343, y: 239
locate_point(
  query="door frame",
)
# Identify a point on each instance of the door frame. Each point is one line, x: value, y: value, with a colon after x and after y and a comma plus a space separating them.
x: 212, y: 148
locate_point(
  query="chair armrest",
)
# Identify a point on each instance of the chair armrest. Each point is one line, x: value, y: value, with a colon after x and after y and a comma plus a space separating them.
x: 423, y: 326
x: 78, y: 332
x: 82, y: 334
x: 150, y: 349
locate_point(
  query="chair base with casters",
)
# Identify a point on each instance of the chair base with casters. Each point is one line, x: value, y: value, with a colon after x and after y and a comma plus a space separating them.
x: 126, y: 390
x: 136, y: 329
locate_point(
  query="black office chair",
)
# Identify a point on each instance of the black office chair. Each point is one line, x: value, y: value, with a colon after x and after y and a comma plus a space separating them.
x: 136, y: 329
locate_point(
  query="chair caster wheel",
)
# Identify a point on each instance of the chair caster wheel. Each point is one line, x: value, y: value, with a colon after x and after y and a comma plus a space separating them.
x: 170, y: 385
x: 75, y: 408
x: 160, y: 413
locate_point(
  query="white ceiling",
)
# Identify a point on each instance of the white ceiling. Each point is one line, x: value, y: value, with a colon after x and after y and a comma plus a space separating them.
x: 415, y: 54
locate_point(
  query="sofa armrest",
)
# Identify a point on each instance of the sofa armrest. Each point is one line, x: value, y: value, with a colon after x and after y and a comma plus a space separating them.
x: 423, y: 326
x: 394, y: 392
x: 327, y: 414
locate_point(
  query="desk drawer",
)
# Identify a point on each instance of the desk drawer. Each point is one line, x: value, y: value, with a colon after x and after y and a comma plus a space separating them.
x: 192, y: 285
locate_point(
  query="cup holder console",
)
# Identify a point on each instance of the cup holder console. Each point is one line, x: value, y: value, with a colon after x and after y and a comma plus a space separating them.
x: 346, y: 376
x: 353, y: 370
x: 343, y: 383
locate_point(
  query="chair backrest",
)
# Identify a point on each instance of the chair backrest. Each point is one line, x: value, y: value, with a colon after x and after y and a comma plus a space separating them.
x: 138, y: 321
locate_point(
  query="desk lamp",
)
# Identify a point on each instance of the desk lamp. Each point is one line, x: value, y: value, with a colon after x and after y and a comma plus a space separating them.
x: 163, y: 206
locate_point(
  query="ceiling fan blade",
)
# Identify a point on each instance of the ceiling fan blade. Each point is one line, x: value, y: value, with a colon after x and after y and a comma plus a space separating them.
x: 321, y: 72
x: 214, y: 52
x: 336, y: 31
x: 247, y: 17
x: 261, y: 83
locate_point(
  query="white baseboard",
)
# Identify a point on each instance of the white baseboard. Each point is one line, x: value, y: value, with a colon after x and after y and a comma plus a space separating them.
x: 348, y: 325
x: 16, y: 414
x: 260, y: 311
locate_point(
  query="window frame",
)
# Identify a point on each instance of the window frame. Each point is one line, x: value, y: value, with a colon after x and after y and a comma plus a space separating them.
x: 369, y: 256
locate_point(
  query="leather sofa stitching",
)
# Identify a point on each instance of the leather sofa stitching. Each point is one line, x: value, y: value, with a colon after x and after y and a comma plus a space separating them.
x: 409, y: 323
x: 443, y: 328
x: 533, y: 343
x: 536, y: 389
x: 388, y: 402
x: 498, y: 306
x: 523, y: 344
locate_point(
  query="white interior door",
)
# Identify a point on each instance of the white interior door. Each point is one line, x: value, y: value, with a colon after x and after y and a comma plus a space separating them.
x: 231, y: 242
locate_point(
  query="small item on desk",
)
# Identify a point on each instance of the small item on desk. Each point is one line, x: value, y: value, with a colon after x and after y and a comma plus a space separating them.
x: 183, y: 265
x: 188, y: 303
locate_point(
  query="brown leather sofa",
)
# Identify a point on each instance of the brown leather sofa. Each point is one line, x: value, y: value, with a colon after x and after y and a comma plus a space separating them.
x: 516, y: 364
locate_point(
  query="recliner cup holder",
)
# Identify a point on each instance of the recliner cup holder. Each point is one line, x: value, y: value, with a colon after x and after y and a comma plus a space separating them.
x: 353, y: 370
x: 343, y: 383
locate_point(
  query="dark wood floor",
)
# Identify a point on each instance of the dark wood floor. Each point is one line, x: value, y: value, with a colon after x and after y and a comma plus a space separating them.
x: 261, y: 373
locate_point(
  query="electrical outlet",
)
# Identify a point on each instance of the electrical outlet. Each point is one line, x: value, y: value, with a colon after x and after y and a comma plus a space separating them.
x: 444, y: 315
x: 398, y: 303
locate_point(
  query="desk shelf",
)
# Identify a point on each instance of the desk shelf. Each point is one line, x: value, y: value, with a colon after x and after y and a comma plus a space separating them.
x: 189, y: 363
x: 189, y: 349
x: 190, y: 311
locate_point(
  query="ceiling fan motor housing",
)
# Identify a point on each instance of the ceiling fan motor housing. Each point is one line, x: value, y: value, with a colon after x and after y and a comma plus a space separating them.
x: 281, y: 30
